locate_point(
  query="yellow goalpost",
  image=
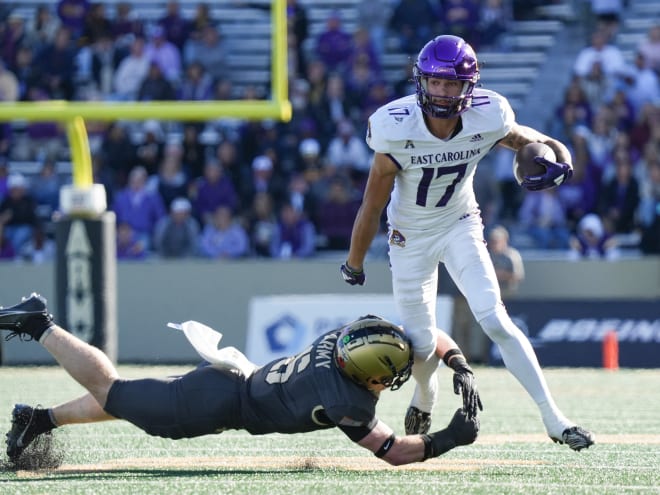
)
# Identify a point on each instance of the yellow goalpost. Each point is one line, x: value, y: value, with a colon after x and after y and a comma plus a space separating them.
x: 73, y: 114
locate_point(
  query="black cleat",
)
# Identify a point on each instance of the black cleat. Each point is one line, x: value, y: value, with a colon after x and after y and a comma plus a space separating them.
x: 29, y: 318
x: 23, y: 431
x: 417, y: 422
x: 576, y: 437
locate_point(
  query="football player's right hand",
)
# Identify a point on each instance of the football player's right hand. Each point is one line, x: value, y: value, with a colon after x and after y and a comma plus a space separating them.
x: 351, y: 275
x: 555, y: 175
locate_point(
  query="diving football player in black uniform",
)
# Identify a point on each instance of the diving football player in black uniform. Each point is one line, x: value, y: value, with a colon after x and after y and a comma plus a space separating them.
x: 335, y: 382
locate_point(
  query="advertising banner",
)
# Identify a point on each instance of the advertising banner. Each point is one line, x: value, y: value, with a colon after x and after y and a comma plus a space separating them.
x: 570, y: 333
x: 284, y: 325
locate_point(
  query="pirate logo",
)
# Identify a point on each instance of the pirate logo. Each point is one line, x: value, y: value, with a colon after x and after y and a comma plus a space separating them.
x: 397, y: 239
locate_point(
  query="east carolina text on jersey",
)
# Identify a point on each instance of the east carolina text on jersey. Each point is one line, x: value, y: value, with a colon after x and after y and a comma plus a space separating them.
x: 433, y: 188
x: 444, y: 157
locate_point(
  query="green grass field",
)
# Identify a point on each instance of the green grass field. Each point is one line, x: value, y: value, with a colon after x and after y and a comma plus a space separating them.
x: 511, y: 456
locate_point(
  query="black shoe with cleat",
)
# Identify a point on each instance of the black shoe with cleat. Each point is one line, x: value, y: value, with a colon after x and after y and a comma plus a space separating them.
x: 28, y: 319
x: 577, y: 438
x: 417, y: 422
x: 24, y: 429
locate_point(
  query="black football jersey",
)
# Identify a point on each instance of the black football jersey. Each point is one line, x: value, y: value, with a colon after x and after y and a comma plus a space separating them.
x: 305, y: 392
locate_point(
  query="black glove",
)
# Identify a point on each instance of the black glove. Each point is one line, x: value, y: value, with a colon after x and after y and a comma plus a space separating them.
x: 555, y: 174
x: 460, y: 431
x: 464, y: 382
x: 351, y: 275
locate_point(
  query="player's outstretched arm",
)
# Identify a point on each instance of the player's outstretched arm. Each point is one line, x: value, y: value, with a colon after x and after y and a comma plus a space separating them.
x: 406, y: 449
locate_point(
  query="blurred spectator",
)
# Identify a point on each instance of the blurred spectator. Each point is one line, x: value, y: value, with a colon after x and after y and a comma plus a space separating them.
x: 591, y: 241
x: 237, y: 170
x: 223, y: 236
x: 45, y: 189
x: 262, y: 224
x: 597, y: 86
x: 11, y: 38
x: 56, y: 66
x: 333, y: 106
x: 39, y: 248
x: 72, y: 14
x: 155, y: 86
x: 336, y: 215
x: 461, y: 18
x: 640, y: 84
x: 265, y: 180
x: 301, y: 198
x: 608, y: 15
x: 210, y: 51
x: 201, y: 19
x: 334, y: 46
x: 138, y: 206
x: 295, y: 236
x: 623, y: 112
x: 364, y: 50
x: 26, y: 71
x: 649, y: 47
x: 129, y: 244
x: 164, y: 54
x: 309, y: 154
x: 9, y: 89
x: 126, y: 25
x: 150, y: 152
x: 96, y: 25
x: 601, y: 139
x: 507, y: 261
x: 118, y: 153
x: 176, y: 235
x: 649, y: 209
x: 406, y: 84
x: 197, y: 84
x: 18, y: 217
x: 619, y: 197
x: 4, y: 176
x: 348, y: 152
x: 132, y: 71
x: 193, y: 152
x: 375, y: 21
x: 174, y: 27
x: 7, y: 251
x: 494, y: 18
x: 104, y: 60
x: 543, y: 218
x: 213, y: 190
x: 413, y: 22
x: 43, y: 27
x: 609, y: 56
x: 298, y: 22
x: 171, y: 181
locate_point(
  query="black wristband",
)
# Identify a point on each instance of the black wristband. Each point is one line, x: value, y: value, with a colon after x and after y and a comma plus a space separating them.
x: 387, y: 445
x: 451, y: 353
x: 352, y: 270
x: 428, y: 447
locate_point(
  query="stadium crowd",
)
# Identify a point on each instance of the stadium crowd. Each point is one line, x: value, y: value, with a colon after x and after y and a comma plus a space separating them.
x: 292, y: 189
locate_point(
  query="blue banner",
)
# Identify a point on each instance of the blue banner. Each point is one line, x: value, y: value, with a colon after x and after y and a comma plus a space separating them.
x: 570, y: 333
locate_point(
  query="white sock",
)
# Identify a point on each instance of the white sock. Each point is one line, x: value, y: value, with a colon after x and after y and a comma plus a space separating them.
x: 426, y: 388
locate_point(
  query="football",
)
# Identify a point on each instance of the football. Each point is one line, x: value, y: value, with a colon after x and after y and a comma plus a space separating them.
x: 524, y: 164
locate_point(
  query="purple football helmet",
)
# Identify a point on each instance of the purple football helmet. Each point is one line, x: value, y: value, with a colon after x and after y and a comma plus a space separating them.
x: 446, y: 57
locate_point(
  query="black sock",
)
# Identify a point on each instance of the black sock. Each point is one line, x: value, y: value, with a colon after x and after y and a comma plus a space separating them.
x: 42, y: 421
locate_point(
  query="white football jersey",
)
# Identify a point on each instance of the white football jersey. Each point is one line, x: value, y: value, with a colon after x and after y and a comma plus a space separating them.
x: 433, y: 188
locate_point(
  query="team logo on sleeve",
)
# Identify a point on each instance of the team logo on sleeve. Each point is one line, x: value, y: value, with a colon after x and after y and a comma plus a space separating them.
x: 397, y: 239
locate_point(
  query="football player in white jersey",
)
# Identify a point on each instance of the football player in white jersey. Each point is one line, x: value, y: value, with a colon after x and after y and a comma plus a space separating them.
x: 427, y: 147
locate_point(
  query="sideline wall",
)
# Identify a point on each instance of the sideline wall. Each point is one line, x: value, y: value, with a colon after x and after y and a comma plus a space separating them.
x: 151, y: 294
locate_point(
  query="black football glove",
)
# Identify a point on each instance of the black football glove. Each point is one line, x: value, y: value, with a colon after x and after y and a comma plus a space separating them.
x: 464, y: 382
x: 351, y: 275
x: 555, y: 174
